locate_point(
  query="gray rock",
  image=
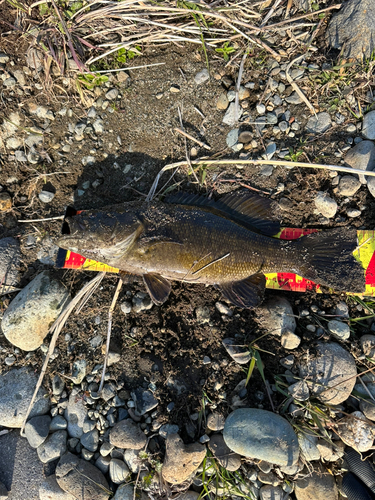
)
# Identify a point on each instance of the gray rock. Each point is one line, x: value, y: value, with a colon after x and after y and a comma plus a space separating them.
x: 229, y: 117
x: 319, y: 123
x: 4, y: 58
x: 9, y: 263
x: 57, y: 385
x: 356, y: 431
x: 353, y: 212
x: 109, y: 391
x: 102, y: 463
x: 299, y: 391
x: 27, y: 320
x: 290, y: 340
x: 50, y: 490
x: 10, y: 82
x: 37, y: 429
x: 368, y: 127
x: 53, y: 447
x: 167, y: 429
x: 362, y: 157
x: 240, y: 353
x: 339, y: 329
x: 126, y: 492
x: 16, y: 390
x: 353, y: 28
x: 215, y: 421
x: 348, y: 185
x: 181, y: 460
x: 202, y: 76
x: 261, y: 109
x: 232, y: 138
x: 368, y: 409
x: 253, y: 433
x: 46, y: 196
x: 270, y: 150
x: 58, y: 423
x: 20, y: 156
x: 229, y: 460
x: 269, y: 492
x: 81, y: 479
x: 276, y: 316
x: 318, y: 485
x: 144, y: 401
x: 13, y: 143
x: 118, y: 471
x: 112, y: 94
x: 33, y: 140
x: 78, y: 371
x: 308, y: 446
x: 75, y: 414
x: 368, y: 345
x: 330, y: 372
x: 325, y: 205
x: 126, y: 434
x: 98, y: 126
x: 90, y: 440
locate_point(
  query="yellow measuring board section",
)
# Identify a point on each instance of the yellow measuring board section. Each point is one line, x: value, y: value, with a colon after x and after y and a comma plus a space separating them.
x: 364, y: 253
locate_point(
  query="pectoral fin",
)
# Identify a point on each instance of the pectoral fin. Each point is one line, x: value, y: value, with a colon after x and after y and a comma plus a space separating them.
x: 158, y: 287
x: 247, y: 293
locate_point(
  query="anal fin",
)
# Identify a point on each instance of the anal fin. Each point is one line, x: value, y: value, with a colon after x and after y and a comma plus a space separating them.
x: 158, y: 287
x: 247, y: 293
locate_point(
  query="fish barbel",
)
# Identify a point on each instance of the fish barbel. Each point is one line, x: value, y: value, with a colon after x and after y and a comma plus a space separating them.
x: 226, y: 243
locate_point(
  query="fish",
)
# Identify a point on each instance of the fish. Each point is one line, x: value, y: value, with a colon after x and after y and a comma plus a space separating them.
x: 229, y: 243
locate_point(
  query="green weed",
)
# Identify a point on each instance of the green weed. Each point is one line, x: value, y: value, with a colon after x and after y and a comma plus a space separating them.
x: 226, y: 50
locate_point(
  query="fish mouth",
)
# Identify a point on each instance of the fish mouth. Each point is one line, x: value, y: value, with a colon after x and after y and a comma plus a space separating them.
x: 73, y: 234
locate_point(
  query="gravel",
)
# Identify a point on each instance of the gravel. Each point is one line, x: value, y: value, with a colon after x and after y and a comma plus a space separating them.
x: 37, y: 429
x: 325, y: 205
x: 362, y: 157
x: 318, y: 124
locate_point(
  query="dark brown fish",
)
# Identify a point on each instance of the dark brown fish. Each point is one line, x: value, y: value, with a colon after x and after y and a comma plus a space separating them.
x: 227, y: 243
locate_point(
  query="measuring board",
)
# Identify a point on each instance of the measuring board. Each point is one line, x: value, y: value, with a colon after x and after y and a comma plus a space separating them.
x: 364, y: 253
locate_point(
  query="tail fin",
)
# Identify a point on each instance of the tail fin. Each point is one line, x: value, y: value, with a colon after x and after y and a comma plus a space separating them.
x: 327, y: 258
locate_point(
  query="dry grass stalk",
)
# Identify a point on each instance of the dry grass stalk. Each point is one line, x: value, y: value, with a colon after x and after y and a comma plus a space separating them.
x: 56, y: 328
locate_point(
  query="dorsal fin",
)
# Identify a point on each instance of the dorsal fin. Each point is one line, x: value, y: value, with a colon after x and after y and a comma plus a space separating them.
x: 250, y: 210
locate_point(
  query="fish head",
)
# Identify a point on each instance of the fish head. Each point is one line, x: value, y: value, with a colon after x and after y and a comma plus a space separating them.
x: 100, y: 235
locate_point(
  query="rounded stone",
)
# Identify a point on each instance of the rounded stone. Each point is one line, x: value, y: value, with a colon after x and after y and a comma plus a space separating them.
x: 16, y: 390
x: 277, y: 317
x: 339, y: 329
x: 202, y: 76
x: 181, y: 460
x: 37, y: 429
x: 348, y: 185
x: 356, y: 431
x: 368, y: 126
x: 318, y: 485
x: 290, y: 340
x: 29, y: 316
x: 318, y: 124
x: 330, y: 372
x: 368, y: 345
x: 5, y: 202
x: 81, y: 479
x: 46, y: 196
x: 50, y: 490
x: 325, y: 205
x: 53, y: 447
x: 126, y: 434
x: 215, y: 421
x: 253, y: 433
x: 118, y: 471
x: 362, y: 157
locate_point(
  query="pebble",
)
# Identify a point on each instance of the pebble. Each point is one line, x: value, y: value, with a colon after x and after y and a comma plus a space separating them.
x: 342, y: 310
x: 13, y: 143
x: 222, y: 102
x: 353, y: 212
x: 232, y: 138
x: 81, y: 479
x: 102, y: 463
x: 5, y: 202
x: 167, y: 429
x: 144, y: 401
x: 53, y: 447
x: 10, y: 256
x: 75, y: 414
x: 4, y: 58
x: 227, y: 459
x: 318, y: 124
x: 57, y: 385
x: 112, y: 94
x: 253, y: 432
x: 308, y: 446
x: 351, y: 129
x: 126, y: 492
x: 181, y: 460
x: 118, y: 471
x: 50, y: 490
x: 270, y: 151
x: 290, y: 340
x: 368, y: 126
x: 356, y: 431
x: 269, y: 492
x: 293, y: 98
x: 339, y: 329
x: 371, y: 186
x: 276, y: 316
x: 318, y: 485
x: 325, y: 205
x: 126, y: 434
x: 90, y: 440
x: 215, y: 421
x: 98, y: 126
x: 240, y: 353
x: 16, y: 389
x: 348, y: 185
x: 368, y: 345
x: 58, y: 423
x: 261, y: 109
x: 46, y: 196
x: 37, y: 429
x: 299, y: 391
x: 20, y: 156
x: 202, y: 76
x: 27, y: 319
x: 368, y: 409
x: 10, y: 82
x: 223, y: 309
x: 362, y: 157
x: 229, y: 117
x: 331, y: 366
